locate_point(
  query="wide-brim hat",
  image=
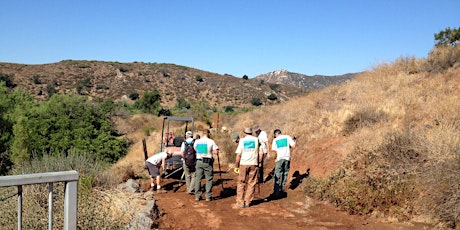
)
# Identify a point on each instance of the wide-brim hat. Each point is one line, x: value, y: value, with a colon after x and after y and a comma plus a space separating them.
x: 255, y: 128
x: 189, y: 134
x: 247, y: 130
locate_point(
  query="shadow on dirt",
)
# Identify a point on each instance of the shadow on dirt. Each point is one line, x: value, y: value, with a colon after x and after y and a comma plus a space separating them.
x: 297, y: 179
x: 226, y: 193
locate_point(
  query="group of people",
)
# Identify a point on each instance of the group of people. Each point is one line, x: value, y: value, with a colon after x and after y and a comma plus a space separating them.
x: 251, y: 152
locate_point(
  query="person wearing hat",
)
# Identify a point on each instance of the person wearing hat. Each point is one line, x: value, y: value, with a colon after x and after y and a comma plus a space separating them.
x: 282, y: 145
x: 153, y: 165
x: 247, y: 160
x: 189, y: 170
x: 205, y: 147
x: 264, y: 146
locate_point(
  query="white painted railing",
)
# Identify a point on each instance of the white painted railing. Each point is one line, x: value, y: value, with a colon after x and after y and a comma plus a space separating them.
x: 70, y: 193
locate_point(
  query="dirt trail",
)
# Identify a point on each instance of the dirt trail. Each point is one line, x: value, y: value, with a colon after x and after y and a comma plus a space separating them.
x: 296, y: 211
x: 179, y: 210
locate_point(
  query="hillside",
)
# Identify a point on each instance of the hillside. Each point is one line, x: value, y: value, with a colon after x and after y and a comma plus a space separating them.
x: 117, y: 81
x: 385, y: 144
x: 303, y: 81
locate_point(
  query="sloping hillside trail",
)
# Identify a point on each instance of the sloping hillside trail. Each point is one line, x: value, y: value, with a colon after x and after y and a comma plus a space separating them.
x: 179, y: 210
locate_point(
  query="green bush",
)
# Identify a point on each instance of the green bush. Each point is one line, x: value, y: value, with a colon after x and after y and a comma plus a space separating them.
x: 134, y: 96
x: 149, y: 103
x: 228, y: 109
x: 182, y: 104
x: 36, y: 79
x: 274, y: 87
x: 7, y: 79
x: 66, y: 122
x: 256, y: 101
x: 51, y: 90
x: 272, y: 97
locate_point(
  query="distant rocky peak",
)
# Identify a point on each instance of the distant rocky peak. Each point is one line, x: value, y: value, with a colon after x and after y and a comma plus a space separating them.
x: 285, y: 77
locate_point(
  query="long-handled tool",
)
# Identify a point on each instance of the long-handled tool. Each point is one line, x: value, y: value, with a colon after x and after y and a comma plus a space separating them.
x: 177, y: 170
x: 220, y: 172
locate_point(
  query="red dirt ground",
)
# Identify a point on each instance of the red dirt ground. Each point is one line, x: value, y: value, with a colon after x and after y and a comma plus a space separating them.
x: 179, y: 210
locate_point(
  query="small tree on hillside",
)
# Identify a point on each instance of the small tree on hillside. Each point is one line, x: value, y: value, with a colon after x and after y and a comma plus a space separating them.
x: 149, y: 103
x: 245, y: 77
x: 447, y: 37
x: 256, y: 101
x: 272, y: 97
x: 134, y: 96
x: 182, y: 103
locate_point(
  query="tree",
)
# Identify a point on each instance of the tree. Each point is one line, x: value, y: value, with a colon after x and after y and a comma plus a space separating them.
x: 182, y: 103
x: 198, y: 78
x: 66, y: 124
x: 8, y: 80
x: 134, y: 96
x: 245, y: 77
x: 447, y: 37
x: 228, y: 109
x: 12, y: 106
x: 272, y: 97
x: 51, y: 90
x: 149, y: 103
x: 256, y: 101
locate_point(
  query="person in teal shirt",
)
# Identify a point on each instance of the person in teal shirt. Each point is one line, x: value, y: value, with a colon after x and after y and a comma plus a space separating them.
x: 282, y: 145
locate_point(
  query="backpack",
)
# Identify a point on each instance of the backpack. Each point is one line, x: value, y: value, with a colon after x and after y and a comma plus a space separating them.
x: 189, y: 154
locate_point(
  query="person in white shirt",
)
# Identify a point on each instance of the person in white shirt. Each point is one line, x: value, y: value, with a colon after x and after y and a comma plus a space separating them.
x: 282, y: 145
x: 153, y: 165
x: 247, y: 160
x: 264, y: 147
x: 205, y: 148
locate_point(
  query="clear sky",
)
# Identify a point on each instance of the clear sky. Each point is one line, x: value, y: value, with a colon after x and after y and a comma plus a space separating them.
x: 237, y: 37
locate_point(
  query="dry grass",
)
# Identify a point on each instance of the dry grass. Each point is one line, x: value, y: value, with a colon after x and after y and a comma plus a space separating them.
x: 396, y: 131
x: 99, y: 208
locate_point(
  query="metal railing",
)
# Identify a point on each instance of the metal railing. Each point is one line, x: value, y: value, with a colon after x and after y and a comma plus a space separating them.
x: 70, y: 193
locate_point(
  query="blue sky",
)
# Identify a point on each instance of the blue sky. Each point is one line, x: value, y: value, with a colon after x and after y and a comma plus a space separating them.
x: 227, y: 37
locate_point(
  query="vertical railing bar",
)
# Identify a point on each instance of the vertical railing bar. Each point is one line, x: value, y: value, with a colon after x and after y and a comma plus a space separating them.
x: 19, y: 207
x: 70, y: 205
x: 50, y: 206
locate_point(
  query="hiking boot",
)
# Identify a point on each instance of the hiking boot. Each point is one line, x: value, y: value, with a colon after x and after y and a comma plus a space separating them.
x: 197, y: 198
x: 237, y: 205
x: 208, y: 199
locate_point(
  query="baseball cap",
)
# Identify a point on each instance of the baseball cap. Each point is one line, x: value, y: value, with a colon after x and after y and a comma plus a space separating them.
x: 235, y: 137
x: 188, y: 134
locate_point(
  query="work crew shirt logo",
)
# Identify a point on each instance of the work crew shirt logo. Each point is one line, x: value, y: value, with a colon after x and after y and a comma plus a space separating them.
x: 282, y: 143
x: 202, y: 149
x: 249, y: 145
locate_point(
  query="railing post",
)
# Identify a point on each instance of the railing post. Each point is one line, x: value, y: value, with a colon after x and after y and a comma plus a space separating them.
x: 19, y: 207
x: 50, y: 206
x: 70, y: 205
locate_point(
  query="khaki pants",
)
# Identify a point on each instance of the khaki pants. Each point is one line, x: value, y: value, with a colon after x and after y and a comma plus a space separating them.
x: 247, y: 181
x: 189, y: 178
